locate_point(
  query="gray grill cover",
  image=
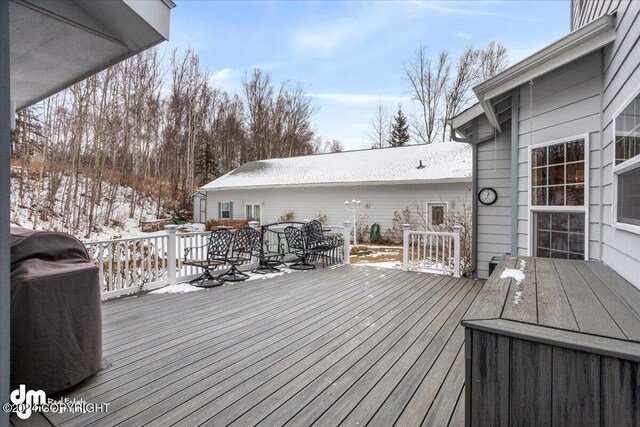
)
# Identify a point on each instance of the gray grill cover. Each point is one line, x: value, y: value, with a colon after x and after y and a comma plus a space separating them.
x: 56, y: 312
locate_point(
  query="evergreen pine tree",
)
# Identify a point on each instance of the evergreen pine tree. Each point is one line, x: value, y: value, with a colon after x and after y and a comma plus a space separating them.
x: 399, y: 130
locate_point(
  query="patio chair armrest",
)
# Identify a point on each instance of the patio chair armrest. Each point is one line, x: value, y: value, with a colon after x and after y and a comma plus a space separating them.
x: 189, y: 249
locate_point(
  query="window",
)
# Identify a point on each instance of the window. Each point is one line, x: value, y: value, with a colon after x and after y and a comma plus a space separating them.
x: 436, y: 213
x: 559, y: 235
x: 252, y: 212
x: 557, y: 174
x: 225, y: 210
x: 626, y: 166
x: 558, y: 198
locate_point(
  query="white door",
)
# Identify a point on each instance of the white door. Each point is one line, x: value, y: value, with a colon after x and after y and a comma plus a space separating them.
x: 203, y: 210
x: 253, y: 212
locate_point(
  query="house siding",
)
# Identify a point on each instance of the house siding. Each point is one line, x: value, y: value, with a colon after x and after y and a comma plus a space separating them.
x: 494, y: 221
x: 585, y: 11
x: 307, y: 202
x: 621, y: 79
x: 566, y: 102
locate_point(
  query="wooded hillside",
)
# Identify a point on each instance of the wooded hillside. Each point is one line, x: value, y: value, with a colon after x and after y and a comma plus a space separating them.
x: 157, y: 126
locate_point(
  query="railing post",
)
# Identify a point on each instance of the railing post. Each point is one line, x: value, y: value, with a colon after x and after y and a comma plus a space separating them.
x: 346, y: 236
x: 254, y: 257
x: 171, y: 253
x: 456, y: 250
x: 405, y: 246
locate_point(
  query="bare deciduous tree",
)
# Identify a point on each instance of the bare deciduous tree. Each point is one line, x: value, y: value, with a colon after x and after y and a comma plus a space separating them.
x: 379, y: 133
x: 492, y: 60
x: 427, y: 81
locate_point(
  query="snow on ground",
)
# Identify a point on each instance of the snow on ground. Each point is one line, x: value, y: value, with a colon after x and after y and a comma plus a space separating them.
x: 186, y: 287
x: 383, y: 264
x: 117, y: 224
x: 255, y: 276
x: 179, y: 288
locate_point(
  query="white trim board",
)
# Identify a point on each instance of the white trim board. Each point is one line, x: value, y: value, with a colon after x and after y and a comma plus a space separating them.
x: 575, y: 45
x: 625, y: 166
x: 582, y: 209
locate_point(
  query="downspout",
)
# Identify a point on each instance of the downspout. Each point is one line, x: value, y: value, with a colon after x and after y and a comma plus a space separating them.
x: 474, y: 199
x: 474, y: 190
x: 515, y: 130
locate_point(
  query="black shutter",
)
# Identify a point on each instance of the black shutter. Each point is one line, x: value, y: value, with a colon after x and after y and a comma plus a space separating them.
x: 219, y: 210
x: 230, y: 210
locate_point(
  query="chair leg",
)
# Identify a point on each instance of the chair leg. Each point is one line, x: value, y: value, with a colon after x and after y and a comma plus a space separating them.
x: 302, y: 264
x: 233, y: 275
x: 206, y: 280
x: 265, y: 267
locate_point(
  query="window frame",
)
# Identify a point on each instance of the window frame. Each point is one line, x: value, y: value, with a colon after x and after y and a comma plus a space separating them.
x: 430, y: 205
x: 253, y: 205
x: 626, y: 166
x: 223, y: 210
x: 531, y: 209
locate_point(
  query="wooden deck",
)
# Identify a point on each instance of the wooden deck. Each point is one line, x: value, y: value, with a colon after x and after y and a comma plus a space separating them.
x: 553, y: 342
x: 338, y: 346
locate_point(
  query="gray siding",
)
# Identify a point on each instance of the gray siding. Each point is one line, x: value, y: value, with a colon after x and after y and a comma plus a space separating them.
x: 585, y: 11
x: 580, y: 98
x: 494, y: 222
x: 307, y: 202
x: 566, y: 102
x: 620, y: 249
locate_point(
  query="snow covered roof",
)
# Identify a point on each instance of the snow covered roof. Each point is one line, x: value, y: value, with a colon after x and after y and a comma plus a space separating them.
x: 443, y: 162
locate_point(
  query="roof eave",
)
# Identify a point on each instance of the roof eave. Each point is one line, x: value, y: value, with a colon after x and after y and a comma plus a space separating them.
x: 341, y: 184
x: 466, y: 116
x: 577, y: 44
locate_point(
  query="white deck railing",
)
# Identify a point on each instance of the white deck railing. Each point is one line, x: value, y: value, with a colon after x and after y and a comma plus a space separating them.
x: 131, y: 265
x: 147, y: 262
x: 431, y: 251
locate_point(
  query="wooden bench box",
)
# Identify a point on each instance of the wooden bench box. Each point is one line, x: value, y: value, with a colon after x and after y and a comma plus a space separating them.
x: 559, y: 347
x: 228, y: 223
x: 154, y: 225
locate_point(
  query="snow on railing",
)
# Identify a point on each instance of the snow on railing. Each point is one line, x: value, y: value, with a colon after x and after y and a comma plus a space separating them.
x: 431, y: 251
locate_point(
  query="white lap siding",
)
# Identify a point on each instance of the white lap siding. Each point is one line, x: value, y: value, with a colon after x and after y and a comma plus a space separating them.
x: 620, y: 249
x: 308, y: 202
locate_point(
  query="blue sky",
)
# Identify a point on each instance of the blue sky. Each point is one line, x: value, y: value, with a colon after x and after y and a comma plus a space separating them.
x: 348, y: 54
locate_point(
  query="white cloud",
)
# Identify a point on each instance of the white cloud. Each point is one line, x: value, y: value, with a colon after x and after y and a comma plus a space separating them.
x: 359, y: 99
x: 227, y: 79
x: 221, y: 76
x: 464, y: 8
x: 462, y: 35
x: 322, y: 39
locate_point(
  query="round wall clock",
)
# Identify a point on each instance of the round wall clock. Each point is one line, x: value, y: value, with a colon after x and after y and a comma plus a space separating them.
x: 487, y: 196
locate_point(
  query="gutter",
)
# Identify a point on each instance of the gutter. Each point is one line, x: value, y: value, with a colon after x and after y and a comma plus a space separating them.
x: 588, y: 38
x: 343, y: 184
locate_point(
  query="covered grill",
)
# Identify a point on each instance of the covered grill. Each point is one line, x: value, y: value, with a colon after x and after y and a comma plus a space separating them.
x: 56, y: 318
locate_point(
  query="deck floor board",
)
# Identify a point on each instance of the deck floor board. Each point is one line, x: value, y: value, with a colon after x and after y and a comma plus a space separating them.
x: 328, y: 346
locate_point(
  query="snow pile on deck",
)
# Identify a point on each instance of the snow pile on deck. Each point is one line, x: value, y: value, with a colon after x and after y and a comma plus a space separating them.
x: 179, y: 288
x: 446, y: 161
x: 514, y: 273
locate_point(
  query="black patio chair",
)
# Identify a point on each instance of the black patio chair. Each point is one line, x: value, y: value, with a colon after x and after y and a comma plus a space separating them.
x: 217, y: 249
x: 326, y: 246
x: 298, y: 244
x: 243, y: 247
x: 268, y: 259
